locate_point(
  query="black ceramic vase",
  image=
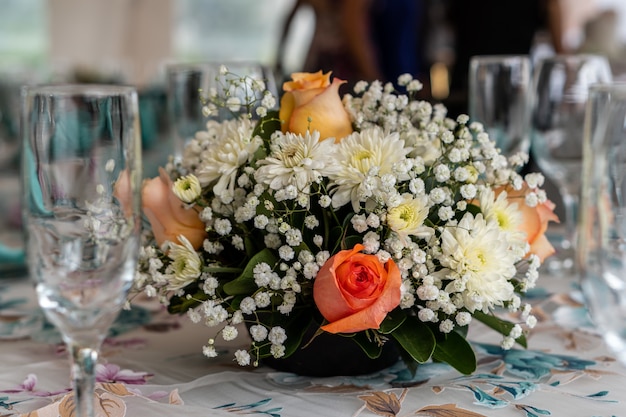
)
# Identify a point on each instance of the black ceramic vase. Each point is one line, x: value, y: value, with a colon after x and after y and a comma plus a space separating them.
x: 334, y: 355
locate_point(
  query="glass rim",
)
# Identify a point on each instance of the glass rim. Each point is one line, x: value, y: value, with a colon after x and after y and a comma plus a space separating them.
x: 78, y: 89
x: 500, y: 57
x: 576, y: 57
x: 613, y: 87
x: 202, y: 65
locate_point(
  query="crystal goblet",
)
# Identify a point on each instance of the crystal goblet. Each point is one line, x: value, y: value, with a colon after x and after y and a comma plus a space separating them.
x: 601, y: 254
x: 561, y: 83
x: 81, y: 179
x: 500, y: 97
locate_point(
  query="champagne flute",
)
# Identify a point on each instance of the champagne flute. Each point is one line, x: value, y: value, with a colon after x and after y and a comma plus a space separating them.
x: 81, y: 179
x: 500, y: 93
x: 560, y: 87
x: 189, y: 83
x: 601, y: 255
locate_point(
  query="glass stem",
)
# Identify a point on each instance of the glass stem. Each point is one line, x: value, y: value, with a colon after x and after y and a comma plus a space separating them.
x: 84, y: 360
x: 570, y: 202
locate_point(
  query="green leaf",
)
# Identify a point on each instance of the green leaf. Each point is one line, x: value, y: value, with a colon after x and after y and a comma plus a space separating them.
x: 267, y: 125
x: 244, y: 283
x: 456, y: 351
x: 179, y: 305
x: 501, y: 326
x: 370, y: 347
x: 416, y: 338
x: 392, y: 321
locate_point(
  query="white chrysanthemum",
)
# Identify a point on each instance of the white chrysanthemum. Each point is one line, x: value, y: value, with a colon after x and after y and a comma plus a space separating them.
x: 477, y: 251
x: 186, y: 265
x: 357, y: 156
x: 228, y: 146
x: 506, y: 215
x: 407, y: 218
x: 296, y: 160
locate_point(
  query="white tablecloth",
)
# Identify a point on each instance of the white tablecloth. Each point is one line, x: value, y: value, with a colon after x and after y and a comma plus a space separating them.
x: 154, y: 367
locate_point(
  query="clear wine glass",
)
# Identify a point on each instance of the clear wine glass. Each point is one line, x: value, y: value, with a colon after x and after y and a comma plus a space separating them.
x: 561, y: 83
x: 500, y: 97
x: 601, y: 255
x: 189, y: 83
x: 81, y: 179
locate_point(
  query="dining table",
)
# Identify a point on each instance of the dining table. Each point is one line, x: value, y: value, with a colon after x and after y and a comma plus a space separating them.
x: 152, y: 365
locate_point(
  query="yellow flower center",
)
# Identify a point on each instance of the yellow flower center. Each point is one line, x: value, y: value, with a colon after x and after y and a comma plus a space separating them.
x: 361, y: 160
x: 292, y: 155
x: 503, y: 220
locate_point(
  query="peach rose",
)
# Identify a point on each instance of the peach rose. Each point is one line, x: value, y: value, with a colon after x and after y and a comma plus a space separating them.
x: 312, y: 102
x: 355, y: 291
x: 535, y: 220
x: 122, y: 190
x: 167, y: 213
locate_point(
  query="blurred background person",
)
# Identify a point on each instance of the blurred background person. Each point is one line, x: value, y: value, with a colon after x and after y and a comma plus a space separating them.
x: 495, y: 27
x: 362, y: 39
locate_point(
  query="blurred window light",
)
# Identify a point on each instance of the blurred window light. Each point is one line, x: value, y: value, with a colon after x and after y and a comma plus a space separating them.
x: 23, y: 33
x: 217, y: 30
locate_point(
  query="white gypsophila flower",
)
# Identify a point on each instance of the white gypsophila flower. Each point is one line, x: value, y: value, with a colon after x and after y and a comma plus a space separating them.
x: 262, y: 299
x: 209, y: 351
x: 258, y: 332
x: 426, y: 315
x: 296, y: 160
x: 468, y: 191
x: 194, y: 316
x: 247, y: 305
x: 229, y: 333
x: 407, y: 218
x: 356, y: 155
x: 371, y: 242
x: 187, y: 188
x: 463, y: 318
x: 507, y: 343
x: 477, y: 250
x: 262, y: 273
x: 311, y: 222
x: 242, y: 357
x: 222, y: 226
x: 446, y: 326
x: 237, y: 317
x: 277, y: 351
x: 226, y: 147
x: 359, y: 223
x: 286, y: 253
x: 293, y: 237
x: 186, y: 265
x: 272, y: 241
x: 260, y: 221
x: 277, y: 335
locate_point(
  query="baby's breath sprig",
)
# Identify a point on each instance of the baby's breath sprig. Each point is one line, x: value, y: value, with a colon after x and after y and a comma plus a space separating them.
x: 241, y: 95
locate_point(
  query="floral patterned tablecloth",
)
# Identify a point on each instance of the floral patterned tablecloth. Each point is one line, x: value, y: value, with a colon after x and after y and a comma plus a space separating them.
x: 152, y: 365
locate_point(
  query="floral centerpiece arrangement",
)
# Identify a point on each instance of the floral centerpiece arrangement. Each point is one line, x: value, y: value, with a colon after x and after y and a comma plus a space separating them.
x: 373, y: 216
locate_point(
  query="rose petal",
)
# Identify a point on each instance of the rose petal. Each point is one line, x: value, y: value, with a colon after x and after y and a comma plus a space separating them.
x: 346, y: 312
x: 167, y: 214
x: 324, y: 113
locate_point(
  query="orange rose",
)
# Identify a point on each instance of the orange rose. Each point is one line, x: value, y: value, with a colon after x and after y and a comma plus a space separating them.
x: 355, y: 291
x: 312, y: 102
x: 167, y: 213
x: 123, y: 191
x: 535, y: 220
